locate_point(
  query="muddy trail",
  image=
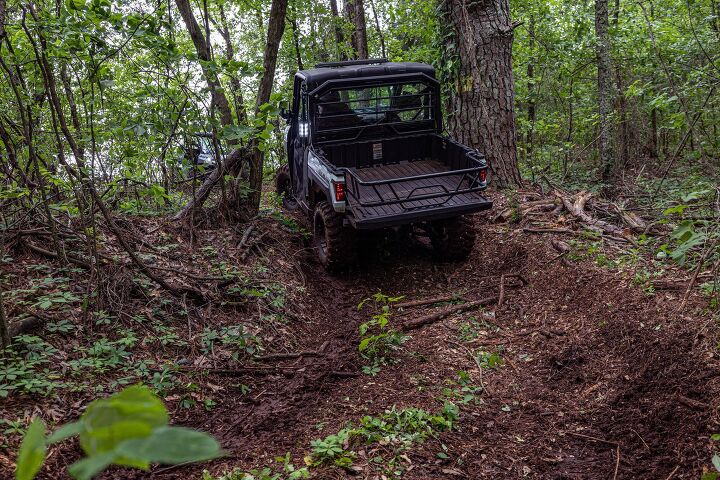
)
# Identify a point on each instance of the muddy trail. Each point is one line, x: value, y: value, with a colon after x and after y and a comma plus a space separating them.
x: 600, y: 380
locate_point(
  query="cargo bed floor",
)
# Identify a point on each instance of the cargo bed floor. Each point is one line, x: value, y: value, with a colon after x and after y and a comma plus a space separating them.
x: 409, y: 188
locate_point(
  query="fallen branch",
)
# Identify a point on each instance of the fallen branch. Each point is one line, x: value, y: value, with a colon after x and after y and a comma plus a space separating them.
x: 287, y: 356
x: 429, y: 301
x: 428, y: 319
x: 577, y: 210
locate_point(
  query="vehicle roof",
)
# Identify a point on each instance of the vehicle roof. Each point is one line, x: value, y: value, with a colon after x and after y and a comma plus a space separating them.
x: 317, y: 76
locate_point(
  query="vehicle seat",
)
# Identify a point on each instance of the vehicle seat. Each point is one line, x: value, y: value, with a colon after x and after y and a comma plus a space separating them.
x: 335, y: 113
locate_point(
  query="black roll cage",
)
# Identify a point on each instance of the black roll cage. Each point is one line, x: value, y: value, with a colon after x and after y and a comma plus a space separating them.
x: 434, y: 125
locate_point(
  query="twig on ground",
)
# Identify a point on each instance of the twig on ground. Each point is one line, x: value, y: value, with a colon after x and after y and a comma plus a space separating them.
x: 672, y: 474
x: 617, y: 461
x: 288, y: 356
x: 589, y: 437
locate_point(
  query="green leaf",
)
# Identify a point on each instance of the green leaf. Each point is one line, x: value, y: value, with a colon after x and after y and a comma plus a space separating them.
x: 32, y: 451
x: 716, y: 462
x: 171, y: 445
x: 236, y: 132
x: 364, y: 344
x: 66, y: 431
x: 131, y: 413
x: 87, y: 468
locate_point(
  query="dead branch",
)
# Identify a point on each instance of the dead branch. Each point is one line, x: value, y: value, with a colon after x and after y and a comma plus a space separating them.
x: 428, y: 319
x: 577, y: 210
x: 429, y: 301
x: 288, y: 356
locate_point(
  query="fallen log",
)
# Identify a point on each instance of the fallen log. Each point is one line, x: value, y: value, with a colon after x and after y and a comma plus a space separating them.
x: 432, y: 318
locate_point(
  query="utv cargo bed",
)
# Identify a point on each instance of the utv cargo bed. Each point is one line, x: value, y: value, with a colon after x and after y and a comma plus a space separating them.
x: 395, y: 194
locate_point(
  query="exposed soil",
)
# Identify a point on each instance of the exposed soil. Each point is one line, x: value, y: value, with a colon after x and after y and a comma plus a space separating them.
x: 601, y: 380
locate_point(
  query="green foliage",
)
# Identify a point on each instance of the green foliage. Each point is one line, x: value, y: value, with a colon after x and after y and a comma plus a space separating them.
x: 462, y: 389
x: 287, y: 471
x: 128, y: 428
x: 378, y: 341
x: 32, y: 451
x: 396, y: 429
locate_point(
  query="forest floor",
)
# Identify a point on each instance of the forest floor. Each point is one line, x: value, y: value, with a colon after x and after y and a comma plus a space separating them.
x: 585, y: 371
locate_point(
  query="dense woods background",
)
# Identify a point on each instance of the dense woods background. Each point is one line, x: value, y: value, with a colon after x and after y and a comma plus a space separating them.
x: 606, y: 107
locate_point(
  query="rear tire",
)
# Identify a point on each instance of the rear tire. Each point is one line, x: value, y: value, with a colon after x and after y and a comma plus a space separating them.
x: 283, y: 187
x: 453, y: 239
x: 334, y: 243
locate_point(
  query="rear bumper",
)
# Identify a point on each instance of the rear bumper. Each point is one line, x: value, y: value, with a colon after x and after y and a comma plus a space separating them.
x: 419, y: 215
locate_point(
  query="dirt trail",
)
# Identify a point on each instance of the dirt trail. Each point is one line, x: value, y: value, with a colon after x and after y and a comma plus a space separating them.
x: 595, y: 368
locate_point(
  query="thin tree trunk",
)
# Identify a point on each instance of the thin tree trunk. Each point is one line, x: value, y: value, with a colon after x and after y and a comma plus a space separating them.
x: 355, y: 11
x: 4, y: 328
x: 235, y: 87
x: 219, y: 99
x: 654, y: 134
x: 275, y: 32
x: 296, y: 38
x: 531, y: 93
x: 482, y: 111
x: 605, y: 89
x: 381, y: 36
x: 337, y: 24
x: 233, y: 160
x: 623, y: 130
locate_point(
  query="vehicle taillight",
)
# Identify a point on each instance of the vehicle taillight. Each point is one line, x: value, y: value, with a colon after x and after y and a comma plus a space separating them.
x: 339, y: 192
x: 483, y: 175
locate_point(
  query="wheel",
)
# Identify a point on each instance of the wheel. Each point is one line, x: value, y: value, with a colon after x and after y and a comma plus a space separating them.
x: 453, y: 239
x: 335, y: 244
x: 283, y: 187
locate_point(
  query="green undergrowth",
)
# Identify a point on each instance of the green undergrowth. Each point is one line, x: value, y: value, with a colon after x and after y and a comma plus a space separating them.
x: 693, y: 244
x: 376, y: 445
x: 81, y: 350
x: 379, y: 341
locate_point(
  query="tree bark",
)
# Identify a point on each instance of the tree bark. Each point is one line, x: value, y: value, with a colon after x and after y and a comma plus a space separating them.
x: 481, y: 108
x: 605, y: 88
x: 276, y: 28
x: 355, y: 11
x: 339, y: 37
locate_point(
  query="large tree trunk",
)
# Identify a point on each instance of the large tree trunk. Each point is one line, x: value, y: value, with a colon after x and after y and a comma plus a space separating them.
x: 355, y: 11
x: 276, y: 27
x: 605, y: 88
x: 481, y: 112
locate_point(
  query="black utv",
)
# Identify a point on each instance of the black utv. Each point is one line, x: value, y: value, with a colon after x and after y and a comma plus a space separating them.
x: 366, y: 151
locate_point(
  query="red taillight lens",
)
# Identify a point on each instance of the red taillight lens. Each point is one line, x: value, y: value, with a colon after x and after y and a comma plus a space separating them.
x: 483, y: 175
x: 339, y: 192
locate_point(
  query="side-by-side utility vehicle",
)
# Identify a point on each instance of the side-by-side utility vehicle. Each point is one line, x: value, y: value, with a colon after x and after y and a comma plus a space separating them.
x: 366, y: 151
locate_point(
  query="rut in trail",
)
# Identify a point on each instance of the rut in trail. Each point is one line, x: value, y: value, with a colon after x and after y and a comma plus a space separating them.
x: 594, y: 367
